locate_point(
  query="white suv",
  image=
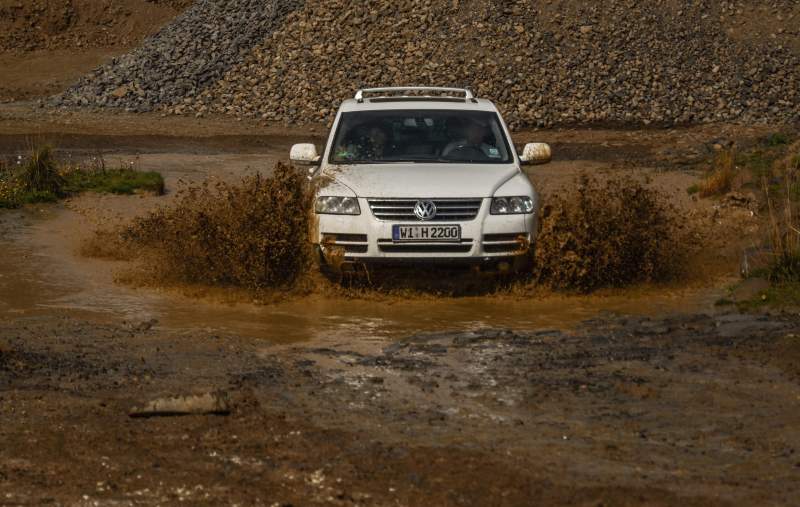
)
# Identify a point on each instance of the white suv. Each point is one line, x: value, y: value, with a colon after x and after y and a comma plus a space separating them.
x: 422, y: 174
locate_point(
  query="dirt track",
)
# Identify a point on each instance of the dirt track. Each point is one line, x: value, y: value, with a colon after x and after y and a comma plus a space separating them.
x: 647, y: 396
x: 682, y: 411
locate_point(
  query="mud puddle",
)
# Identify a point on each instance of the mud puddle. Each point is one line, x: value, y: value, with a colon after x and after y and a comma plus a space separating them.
x: 42, y: 272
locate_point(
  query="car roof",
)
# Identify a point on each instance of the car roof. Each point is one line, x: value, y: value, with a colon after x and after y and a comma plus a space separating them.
x: 399, y: 103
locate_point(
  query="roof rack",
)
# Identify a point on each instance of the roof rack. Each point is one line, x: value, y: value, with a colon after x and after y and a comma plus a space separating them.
x: 394, y: 90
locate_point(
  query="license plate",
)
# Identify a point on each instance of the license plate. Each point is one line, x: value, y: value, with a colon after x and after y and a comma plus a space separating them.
x: 426, y: 232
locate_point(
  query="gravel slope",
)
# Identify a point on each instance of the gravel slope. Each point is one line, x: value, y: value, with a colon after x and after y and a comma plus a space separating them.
x: 196, y: 49
x: 546, y: 64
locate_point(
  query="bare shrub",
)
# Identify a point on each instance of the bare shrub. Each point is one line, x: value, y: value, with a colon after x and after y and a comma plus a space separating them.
x: 251, y: 235
x: 721, y: 176
x: 784, y: 225
x: 608, y: 234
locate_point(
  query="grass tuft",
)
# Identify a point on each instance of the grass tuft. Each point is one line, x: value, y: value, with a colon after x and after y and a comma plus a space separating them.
x: 721, y: 177
x: 114, y: 181
x: 776, y: 139
x: 731, y: 170
x: 40, y: 175
x: 784, y: 295
x: 42, y: 179
x: 784, y: 225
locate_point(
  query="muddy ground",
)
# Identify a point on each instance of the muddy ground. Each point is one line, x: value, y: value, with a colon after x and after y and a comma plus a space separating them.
x: 691, y: 410
x: 643, y: 396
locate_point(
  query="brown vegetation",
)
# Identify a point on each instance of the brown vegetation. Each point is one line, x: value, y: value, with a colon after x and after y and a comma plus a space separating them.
x: 41, y: 173
x: 721, y: 176
x: 784, y: 225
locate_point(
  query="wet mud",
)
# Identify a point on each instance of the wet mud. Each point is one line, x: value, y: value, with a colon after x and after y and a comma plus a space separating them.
x: 695, y: 410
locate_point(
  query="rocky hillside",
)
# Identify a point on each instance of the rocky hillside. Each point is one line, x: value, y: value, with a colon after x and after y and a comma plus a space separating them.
x: 558, y: 62
x: 190, y: 54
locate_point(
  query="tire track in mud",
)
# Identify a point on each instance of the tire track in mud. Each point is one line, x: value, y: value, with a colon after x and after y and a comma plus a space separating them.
x: 670, y: 411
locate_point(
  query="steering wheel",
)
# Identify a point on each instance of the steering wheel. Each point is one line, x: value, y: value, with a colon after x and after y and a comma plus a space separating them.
x: 466, y: 152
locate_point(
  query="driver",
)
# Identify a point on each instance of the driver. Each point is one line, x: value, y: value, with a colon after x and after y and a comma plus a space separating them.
x: 473, y: 136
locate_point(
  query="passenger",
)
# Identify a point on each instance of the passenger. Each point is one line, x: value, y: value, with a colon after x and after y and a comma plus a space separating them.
x: 369, y: 143
x: 377, y: 141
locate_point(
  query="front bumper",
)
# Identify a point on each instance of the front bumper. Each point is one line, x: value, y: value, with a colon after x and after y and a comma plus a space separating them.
x: 486, y: 238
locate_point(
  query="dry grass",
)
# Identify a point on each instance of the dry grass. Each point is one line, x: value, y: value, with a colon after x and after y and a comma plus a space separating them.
x: 784, y: 225
x: 722, y: 175
x: 732, y: 170
x: 609, y: 234
x: 37, y: 180
x: 41, y: 173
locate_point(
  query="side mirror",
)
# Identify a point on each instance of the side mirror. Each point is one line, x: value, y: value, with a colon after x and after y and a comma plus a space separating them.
x: 536, y: 153
x: 304, y: 154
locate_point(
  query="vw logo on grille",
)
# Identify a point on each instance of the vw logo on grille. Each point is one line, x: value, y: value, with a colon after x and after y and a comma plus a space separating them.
x: 425, y: 210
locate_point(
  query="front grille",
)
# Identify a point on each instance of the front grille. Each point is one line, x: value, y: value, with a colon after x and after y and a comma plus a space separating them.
x: 427, y: 248
x: 447, y: 210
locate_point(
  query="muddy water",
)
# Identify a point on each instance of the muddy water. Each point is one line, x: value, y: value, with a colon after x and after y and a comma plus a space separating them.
x: 41, y: 272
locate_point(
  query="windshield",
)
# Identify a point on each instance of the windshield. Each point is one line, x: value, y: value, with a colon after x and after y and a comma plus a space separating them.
x: 375, y: 137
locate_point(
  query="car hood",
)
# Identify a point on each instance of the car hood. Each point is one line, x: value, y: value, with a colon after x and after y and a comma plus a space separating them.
x: 422, y: 180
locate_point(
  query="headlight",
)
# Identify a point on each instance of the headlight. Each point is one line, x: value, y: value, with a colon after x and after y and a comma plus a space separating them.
x: 330, y: 205
x: 511, y: 205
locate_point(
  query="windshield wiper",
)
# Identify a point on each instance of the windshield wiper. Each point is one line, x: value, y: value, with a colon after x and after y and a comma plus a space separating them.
x: 451, y: 161
x: 399, y: 161
x: 418, y: 161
